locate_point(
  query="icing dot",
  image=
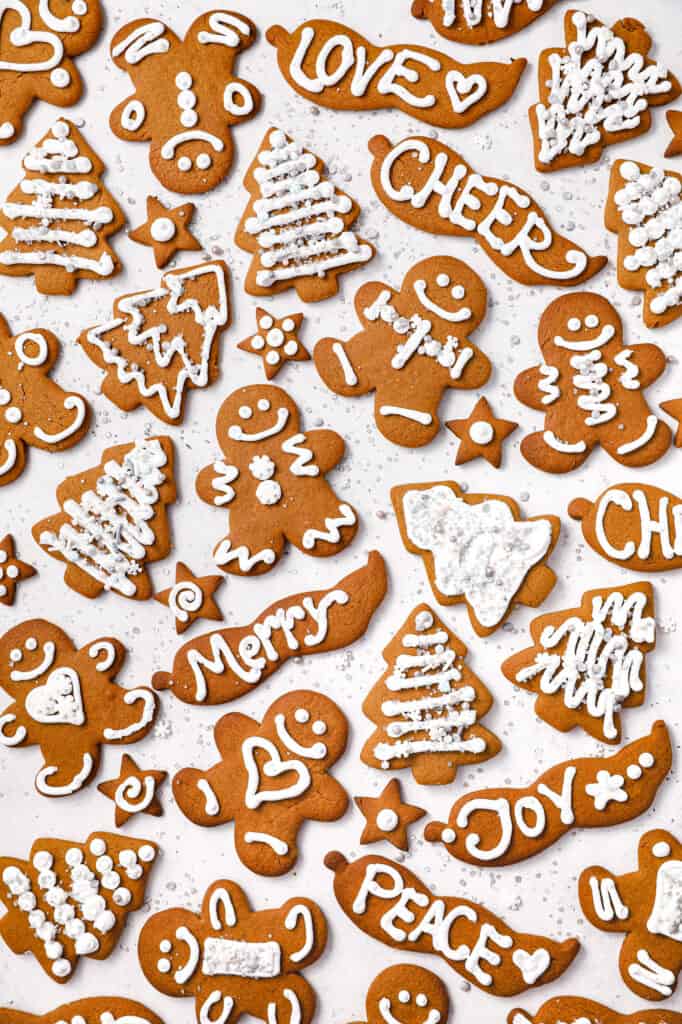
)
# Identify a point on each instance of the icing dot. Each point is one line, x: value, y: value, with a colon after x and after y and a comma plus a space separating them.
x: 633, y: 771
x: 245, y: 412
x: 13, y: 414
x: 263, y: 404
x: 31, y: 643
x: 442, y: 280
x: 592, y: 321
x: 661, y: 850
x: 275, y: 337
x: 204, y: 161
x: 184, y: 163
x: 268, y: 492
x: 60, y: 130
x: 403, y: 996
x: 319, y: 727
x: 60, y: 78
x: 3, y: 590
x: 163, y: 965
x: 43, y: 860
x: 165, y: 946
x: 12, y: 572
x: 104, y: 864
x: 481, y: 432
x: 288, y: 324
x: 188, y: 118
x: 387, y: 820
x: 79, y: 7
x: 423, y: 620
x: 127, y: 858
x: 646, y: 760
x: 257, y: 342
x: 121, y: 896
x: 458, y: 292
x: 265, y: 322
x: 147, y: 853
x: 574, y: 324
x: 61, y: 968
x: 5, y: 396
x: 163, y: 229
x: 448, y: 835
x: 98, y: 847
x: 291, y: 348
x: 73, y: 856
x: 187, y: 99
x: 183, y: 80
x: 301, y: 715
x: 105, y: 921
x: 421, y: 1000
x: 15, y: 654
x: 272, y: 358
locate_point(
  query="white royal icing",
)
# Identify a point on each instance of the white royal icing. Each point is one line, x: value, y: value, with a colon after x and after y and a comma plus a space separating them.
x: 477, y: 12
x: 651, y: 522
x: 240, y: 959
x: 666, y: 914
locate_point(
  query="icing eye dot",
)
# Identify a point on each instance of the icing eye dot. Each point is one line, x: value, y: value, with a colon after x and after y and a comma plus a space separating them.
x: 31, y: 644
x: 245, y: 412
x: 403, y: 996
x: 442, y: 280
x: 165, y: 946
x: 204, y: 161
x: 421, y: 1000
x: 319, y: 727
x: 184, y: 164
x: 164, y: 965
x: 79, y: 7
x: 458, y: 292
x: 15, y: 654
x: 301, y: 715
x: 591, y: 321
x: 574, y: 324
x: 263, y: 404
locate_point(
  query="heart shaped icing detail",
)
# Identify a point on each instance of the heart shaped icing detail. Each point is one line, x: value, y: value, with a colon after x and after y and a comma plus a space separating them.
x: 273, y: 768
x: 58, y: 701
x: 464, y: 90
x: 531, y: 965
x: 23, y: 36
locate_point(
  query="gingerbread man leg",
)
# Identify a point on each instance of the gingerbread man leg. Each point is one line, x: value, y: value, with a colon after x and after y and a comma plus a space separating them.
x: 326, y: 525
x: 553, y: 454
x: 294, y: 1002
x: 640, y: 442
x: 66, y: 773
x: 251, y: 547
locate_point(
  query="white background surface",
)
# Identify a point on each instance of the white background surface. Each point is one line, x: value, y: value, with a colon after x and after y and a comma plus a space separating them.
x: 538, y: 895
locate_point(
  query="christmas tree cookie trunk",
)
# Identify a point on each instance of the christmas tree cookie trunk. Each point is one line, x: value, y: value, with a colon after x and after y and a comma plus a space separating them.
x: 59, y: 217
x: 297, y: 224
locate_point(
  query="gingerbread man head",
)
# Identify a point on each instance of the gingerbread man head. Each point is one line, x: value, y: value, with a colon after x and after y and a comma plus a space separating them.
x: 447, y: 292
x: 406, y: 994
x: 578, y: 323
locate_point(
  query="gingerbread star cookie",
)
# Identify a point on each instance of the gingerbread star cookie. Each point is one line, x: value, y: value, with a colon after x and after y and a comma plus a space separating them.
x: 12, y: 570
x: 387, y: 817
x: 276, y: 341
x: 134, y: 791
x: 191, y: 598
x: 481, y: 434
x: 166, y: 230
x: 674, y: 409
x: 674, y: 119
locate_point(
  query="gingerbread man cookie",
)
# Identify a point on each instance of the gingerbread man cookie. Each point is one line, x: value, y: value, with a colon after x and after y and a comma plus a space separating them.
x: 673, y: 407
x: 234, y: 960
x: 387, y: 817
x: 12, y: 570
x: 479, y: 21
x: 276, y: 341
x: 406, y: 994
x: 166, y: 230
x: 135, y: 791
x: 97, y: 1010
x: 65, y: 701
x: 590, y: 388
x: 273, y: 477
x: 674, y: 119
x: 577, y: 1008
x: 300, y: 739
x: 481, y: 434
x: 186, y: 98
x: 645, y: 904
x: 414, y: 344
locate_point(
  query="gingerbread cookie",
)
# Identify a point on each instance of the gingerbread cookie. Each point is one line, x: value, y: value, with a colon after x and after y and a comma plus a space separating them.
x: 479, y: 21
x: 65, y: 701
x: 387, y: 817
x: 223, y: 665
x: 191, y: 598
x: 674, y: 409
x: 476, y: 550
x: 273, y: 477
x: 166, y: 230
x: 588, y: 663
x: 496, y: 827
x: 406, y: 994
x: 98, y: 1010
x: 413, y: 345
x: 644, y: 904
x: 37, y: 47
x: 300, y: 739
x: 163, y: 342
x: 233, y: 960
x: 587, y: 1011
x: 590, y: 388
x: 59, y: 217
x: 186, y: 98
x: 72, y: 900
x: 644, y: 208
x: 571, y: 123
x: 114, y: 520
x: 135, y: 791
x: 276, y: 341
x: 674, y: 119
x: 429, y: 186
x: 12, y: 570
x: 638, y: 526
x: 297, y: 224
x: 333, y: 66
x: 481, y: 435
x: 427, y: 705
x: 391, y: 904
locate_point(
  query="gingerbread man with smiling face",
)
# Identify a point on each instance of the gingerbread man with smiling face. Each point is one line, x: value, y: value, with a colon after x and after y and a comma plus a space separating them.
x: 590, y: 388
x: 414, y: 344
x: 272, y: 480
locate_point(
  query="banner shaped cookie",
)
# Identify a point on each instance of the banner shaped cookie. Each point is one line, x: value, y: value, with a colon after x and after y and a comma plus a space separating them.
x: 429, y: 186
x: 391, y: 904
x: 297, y: 224
x: 273, y: 477
x: 644, y: 208
x: 590, y: 388
x: 70, y: 900
x: 36, y: 412
x: 638, y: 526
x: 644, y: 904
x: 234, y: 960
x: 162, y: 342
x: 186, y: 98
x: 98, y: 1010
x: 36, y: 51
x: 224, y: 664
x: 595, y: 91
x: 333, y: 66
x: 59, y: 217
x: 301, y: 737
x: 114, y: 520
x: 66, y: 701
x: 476, y: 550
x: 496, y: 827
x: 479, y: 21
x: 588, y: 663
x: 414, y: 344
x: 427, y: 705
x: 406, y: 994
x: 574, y: 1008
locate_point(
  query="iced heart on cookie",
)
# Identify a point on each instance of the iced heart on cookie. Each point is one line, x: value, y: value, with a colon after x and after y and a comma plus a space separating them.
x: 274, y: 767
x: 58, y: 701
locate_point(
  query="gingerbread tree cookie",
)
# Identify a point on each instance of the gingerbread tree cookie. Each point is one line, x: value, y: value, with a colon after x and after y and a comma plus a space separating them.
x: 427, y: 705
x: 276, y: 341
x: 273, y: 477
x: 479, y: 21
x: 71, y: 900
x: 163, y: 342
x: 134, y: 791
x: 97, y: 1010
x: 60, y: 216
x: 595, y: 91
x: 12, y: 570
x: 34, y: 411
x: 186, y: 98
x: 645, y: 904
x: 66, y: 701
x: 590, y: 388
x: 301, y: 737
x: 406, y: 994
x: 37, y: 47
x: 114, y: 520
x: 577, y: 1008
x: 233, y: 960
x: 297, y: 224
x: 413, y: 345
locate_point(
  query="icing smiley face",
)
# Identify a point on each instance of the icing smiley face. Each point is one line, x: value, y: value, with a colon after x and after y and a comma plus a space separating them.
x: 406, y: 994
x: 579, y: 322
x: 448, y: 290
x: 258, y: 419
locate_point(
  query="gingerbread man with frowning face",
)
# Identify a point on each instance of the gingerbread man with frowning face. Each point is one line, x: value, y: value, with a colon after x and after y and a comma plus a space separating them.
x: 272, y: 479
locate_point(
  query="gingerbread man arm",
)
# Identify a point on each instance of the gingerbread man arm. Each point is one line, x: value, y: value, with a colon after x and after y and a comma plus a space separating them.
x: 129, y: 120
x: 327, y: 447
x: 214, y: 797
x: 132, y: 45
x: 15, y: 727
x: 214, y: 483
x: 530, y: 388
x: 322, y: 803
x: 649, y: 360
